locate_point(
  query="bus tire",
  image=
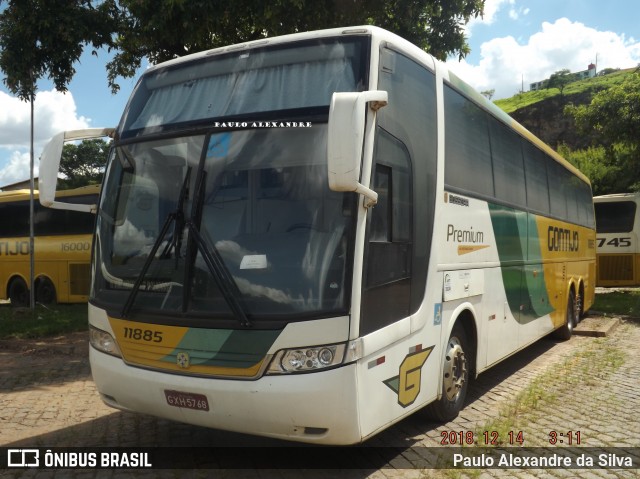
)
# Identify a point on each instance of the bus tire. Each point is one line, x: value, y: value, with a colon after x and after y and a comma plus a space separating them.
x: 45, y: 291
x: 455, y: 377
x: 18, y: 293
x: 564, y: 333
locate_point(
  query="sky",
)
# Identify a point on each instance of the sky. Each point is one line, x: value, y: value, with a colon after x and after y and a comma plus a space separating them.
x: 515, y: 43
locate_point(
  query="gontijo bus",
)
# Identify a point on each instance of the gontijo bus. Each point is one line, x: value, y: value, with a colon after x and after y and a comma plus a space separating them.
x: 62, y: 248
x: 313, y: 236
x: 618, y: 250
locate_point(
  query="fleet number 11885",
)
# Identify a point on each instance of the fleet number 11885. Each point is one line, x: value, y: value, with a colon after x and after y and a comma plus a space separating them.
x: 143, y: 334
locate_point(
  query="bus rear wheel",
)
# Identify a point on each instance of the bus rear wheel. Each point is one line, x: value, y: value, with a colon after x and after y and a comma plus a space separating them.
x: 571, y: 319
x: 45, y: 291
x: 455, y: 378
x: 18, y: 293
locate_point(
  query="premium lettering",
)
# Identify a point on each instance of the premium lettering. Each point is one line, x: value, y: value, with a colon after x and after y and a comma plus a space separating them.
x: 464, y: 236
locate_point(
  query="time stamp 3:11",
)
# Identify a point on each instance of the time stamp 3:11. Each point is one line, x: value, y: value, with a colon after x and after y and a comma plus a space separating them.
x: 494, y: 438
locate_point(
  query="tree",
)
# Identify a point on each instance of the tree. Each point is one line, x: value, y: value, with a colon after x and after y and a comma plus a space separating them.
x: 39, y: 37
x: 560, y: 79
x: 83, y: 164
x: 488, y: 94
x: 46, y: 37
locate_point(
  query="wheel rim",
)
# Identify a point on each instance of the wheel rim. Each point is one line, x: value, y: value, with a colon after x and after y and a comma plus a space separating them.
x: 571, y: 313
x: 578, y: 312
x: 455, y: 369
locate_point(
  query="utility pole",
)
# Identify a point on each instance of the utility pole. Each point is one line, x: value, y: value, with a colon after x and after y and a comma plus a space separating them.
x: 32, y: 294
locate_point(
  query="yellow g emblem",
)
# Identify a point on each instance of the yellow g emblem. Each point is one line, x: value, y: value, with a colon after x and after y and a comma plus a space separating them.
x: 407, y: 383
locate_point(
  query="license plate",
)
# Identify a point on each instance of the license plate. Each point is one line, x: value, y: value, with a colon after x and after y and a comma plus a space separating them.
x: 181, y: 399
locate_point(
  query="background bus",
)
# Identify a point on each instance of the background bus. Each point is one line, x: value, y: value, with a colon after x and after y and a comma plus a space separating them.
x: 313, y: 236
x: 617, y: 239
x: 62, y: 246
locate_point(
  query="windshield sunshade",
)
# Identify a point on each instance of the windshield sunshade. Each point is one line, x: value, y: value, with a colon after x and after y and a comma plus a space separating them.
x: 248, y: 81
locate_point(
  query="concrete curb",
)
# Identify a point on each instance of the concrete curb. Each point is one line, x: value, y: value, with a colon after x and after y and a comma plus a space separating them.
x: 596, y: 326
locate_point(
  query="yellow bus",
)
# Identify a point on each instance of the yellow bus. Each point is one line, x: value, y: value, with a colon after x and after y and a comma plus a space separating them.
x: 62, y: 248
x: 313, y: 236
x: 618, y: 229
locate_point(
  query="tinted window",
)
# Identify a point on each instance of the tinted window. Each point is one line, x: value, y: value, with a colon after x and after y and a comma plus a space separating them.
x: 14, y: 218
x: 389, y: 246
x: 508, y: 169
x: 585, y: 205
x: 560, y: 192
x: 468, y: 163
x: 615, y: 216
x: 411, y: 117
x: 536, y: 178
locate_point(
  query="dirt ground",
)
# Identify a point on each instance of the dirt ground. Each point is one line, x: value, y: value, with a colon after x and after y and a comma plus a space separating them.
x: 18, y: 354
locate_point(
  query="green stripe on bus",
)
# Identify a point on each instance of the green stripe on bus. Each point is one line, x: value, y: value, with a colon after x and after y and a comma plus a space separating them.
x: 225, y: 347
x: 525, y: 286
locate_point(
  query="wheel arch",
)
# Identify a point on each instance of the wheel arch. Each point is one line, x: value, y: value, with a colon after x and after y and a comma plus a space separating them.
x: 11, y: 279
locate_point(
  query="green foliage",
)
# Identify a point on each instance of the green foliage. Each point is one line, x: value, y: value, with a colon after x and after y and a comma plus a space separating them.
x: 165, y: 29
x: 614, y: 114
x: 618, y: 302
x: 608, y: 169
x: 46, y: 37
x: 488, y: 94
x: 83, y: 164
x: 588, y: 86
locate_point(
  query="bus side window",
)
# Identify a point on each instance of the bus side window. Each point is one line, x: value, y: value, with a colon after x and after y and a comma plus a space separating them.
x: 387, y: 277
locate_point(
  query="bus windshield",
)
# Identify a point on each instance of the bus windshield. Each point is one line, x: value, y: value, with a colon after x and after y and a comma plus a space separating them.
x: 199, y: 223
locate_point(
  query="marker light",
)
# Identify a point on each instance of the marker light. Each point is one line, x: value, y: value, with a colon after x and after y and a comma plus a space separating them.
x: 103, y: 342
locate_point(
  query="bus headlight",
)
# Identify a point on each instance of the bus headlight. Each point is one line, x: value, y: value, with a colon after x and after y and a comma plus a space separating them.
x: 103, y: 342
x: 299, y: 360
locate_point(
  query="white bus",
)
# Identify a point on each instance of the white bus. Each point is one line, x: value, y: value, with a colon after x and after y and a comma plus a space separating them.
x: 617, y: 229
x: 313, y: 236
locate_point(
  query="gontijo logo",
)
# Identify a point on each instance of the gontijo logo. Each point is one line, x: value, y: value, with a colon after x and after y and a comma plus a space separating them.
x: 562, y: 239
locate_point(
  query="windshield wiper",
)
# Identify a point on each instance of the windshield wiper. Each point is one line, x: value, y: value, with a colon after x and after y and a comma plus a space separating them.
x: 223, y: 278
x: 221, y: 275
x: 176, y: 241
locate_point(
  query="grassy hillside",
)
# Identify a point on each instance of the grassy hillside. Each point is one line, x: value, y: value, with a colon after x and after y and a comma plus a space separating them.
x: 591, y: 85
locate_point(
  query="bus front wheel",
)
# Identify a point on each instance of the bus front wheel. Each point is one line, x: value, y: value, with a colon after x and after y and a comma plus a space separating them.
x: 455, y: 378
x: 18, y: 293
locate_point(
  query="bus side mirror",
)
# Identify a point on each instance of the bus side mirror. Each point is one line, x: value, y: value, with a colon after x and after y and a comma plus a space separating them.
x: 50, y: 164
x: 346, y: 135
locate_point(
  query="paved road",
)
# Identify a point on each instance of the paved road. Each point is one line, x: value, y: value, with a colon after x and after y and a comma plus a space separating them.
x: 586, y: 384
